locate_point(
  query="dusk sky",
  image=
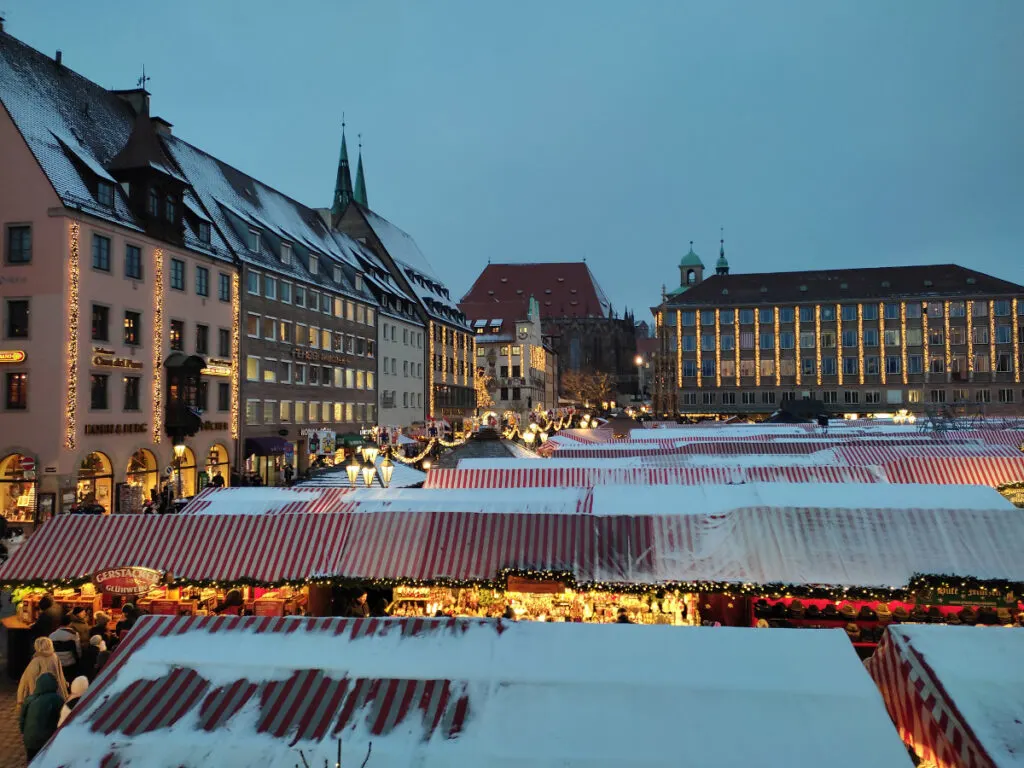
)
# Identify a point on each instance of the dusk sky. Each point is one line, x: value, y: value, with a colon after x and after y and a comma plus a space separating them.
x: 839, y: 134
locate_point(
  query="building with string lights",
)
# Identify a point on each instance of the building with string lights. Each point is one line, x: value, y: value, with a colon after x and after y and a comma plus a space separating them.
x: 855, y: 340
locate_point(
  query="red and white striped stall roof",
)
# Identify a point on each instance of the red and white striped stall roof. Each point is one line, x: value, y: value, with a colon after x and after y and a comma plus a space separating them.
x: 968, y: 470
x: 956, y: 694
x: 560, y: 477
x: 261, y: 501
x: 882, y: 454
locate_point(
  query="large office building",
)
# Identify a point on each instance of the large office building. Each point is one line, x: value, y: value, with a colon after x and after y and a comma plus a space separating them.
x: 855, y: 340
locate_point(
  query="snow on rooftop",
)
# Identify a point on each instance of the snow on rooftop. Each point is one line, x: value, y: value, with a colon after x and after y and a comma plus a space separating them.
x: 403, y: 476
x: 562, y: 501
x: 530, y: 694
x: 399, y: 244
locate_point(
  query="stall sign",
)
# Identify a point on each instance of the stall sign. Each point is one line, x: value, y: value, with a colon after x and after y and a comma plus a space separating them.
x: 534, y: 586
x: 12, y: 356
x: 164, y: 607
x: 127, y: 581
x: 268, y: 607
x: 955, y: 595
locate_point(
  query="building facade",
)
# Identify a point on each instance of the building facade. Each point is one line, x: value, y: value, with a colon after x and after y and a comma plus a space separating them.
x: 856, y: 340
x: 109, y: 269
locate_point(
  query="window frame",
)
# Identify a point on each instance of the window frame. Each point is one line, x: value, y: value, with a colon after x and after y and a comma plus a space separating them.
x: 128, y: 248
x: 176, y: 279
x: 96, y: 240
x: 136, y: 327
x: 9, y: 230
x: 202, y: 281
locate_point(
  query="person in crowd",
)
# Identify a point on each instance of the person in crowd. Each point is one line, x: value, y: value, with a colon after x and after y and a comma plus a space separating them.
x: 509, y: 613
x: 623, y: 617
x: 100, y: 625
x: 80, y: 624
x: 78, y: 688
x: 233, y: 604
x: 218, y: 480
x: 94, y: 656
x: 68, y: 647
x: 289, y: 474
x: 131, y: 615
x: 50, y: 615
x: 44, y: 662
x: 360, y: 608
x: 39, y: 714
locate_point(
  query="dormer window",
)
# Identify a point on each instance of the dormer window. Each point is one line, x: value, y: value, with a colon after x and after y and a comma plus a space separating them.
x: 314, y: 264
x: 204, y: 231
x: 171, y: 209
x: 105, y: 194
x: 359, y: 282
x: 153, y: 206
x: 286, y: 253
x: 254, y: 240
x: 337, y: 274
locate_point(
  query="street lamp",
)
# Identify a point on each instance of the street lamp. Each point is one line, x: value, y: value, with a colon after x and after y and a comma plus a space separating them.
x: 370, y: 453
x: 386, y: 470
x: 368, y: 472
x: 353, y: 471
x: 179, y: 452
x: 543, y: 437
x: 426, y: 465
x: 639, y: 361
x: 528, y: 437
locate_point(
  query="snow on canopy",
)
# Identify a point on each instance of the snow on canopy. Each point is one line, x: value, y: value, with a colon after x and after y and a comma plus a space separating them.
x: 956, y: 694
x: 471, y: 692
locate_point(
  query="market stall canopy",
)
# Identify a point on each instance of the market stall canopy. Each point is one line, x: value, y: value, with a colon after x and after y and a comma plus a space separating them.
x: 956, y: 694
x: 350, y: 440
x: 446, y: 692
x: 403, y: 476
x: 266, y: 446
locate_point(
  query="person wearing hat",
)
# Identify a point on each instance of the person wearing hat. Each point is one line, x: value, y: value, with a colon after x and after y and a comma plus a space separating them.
x: 44, y: 661
x: 78, y: 688
x: 900, y: 613
x: 796, y: 609
x: 884, y: 614
x: 94, y: 656
x: 848, y: 612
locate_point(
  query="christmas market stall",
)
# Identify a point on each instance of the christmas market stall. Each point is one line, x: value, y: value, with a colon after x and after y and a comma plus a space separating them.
x: 955, y: 695
x: 472, y: 692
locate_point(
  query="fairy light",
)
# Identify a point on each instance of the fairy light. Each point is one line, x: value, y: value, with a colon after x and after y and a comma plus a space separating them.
x: 757, y: 348
x: 970, y: 340
x: 817, y: 339
x: 236, y: 335
x: 881, y: 341
x: 700, y: 375
x: 992, y: 337
x: 839, y: 344
x: 778, y: 350
x: 71, y: 404
x: 1016, y: 344
x: 796, y: 345
x: 158, y: 343
x: 679, y: 349
x: 718, y: 349
x: 430, y: 368
x: 444, y: 356
x: 860, y: 343
x: 924, y: 339
x: 736, y: 340
x: 949, y: 352
x: 465, y: 359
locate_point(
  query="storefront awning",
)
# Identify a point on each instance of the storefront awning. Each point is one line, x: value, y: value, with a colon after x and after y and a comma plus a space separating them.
x: 265, y: 446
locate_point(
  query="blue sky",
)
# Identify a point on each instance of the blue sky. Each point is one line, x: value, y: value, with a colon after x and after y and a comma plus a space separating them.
x: 818, y: 134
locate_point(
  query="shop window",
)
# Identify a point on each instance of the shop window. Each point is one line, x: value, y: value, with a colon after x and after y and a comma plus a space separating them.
x: 17, y: 492
x: 95, y: 482
x: 177, y: 335
x: 16, y: 391
x: 183, y: 473
x: 218, y: 469
x: 141, y: 479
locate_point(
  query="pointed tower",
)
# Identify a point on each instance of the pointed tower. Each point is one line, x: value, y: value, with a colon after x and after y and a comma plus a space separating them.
x: 722, y: 265
x: 360, y: 193
x: 343, y: 184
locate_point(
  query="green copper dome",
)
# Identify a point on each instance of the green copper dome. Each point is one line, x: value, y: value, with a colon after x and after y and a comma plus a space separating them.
x: 722, y: 262
x: 691, y: 259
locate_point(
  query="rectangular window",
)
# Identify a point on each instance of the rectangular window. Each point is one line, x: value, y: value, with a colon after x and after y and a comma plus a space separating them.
x: 747, y: 340
x: 313, y: 300
x: 284, y: 331
x: 224, y: 286
x: 914, y: 337
x: 849, y: 366
x: 314, y: 265
x: 957, y: 309
x: 300, y: 373
x: 767, y: 341
x: 1004, y: 334
x: 849, y: 312
x: 202, y: 396
x: 934, y: 309
x: 870, y: 312
x: 828, y: 340
x: 314, y: 374
x: 270, y: 371
x: 313, y: 337
x: 767, y: 367
x: 873, y: 398
x: 851, y: 397
x: 787, y: 340
x: 892, y: 310
x: 747, y: 368
x: 284, y: 292
x: 983, y: 395
x: 133, y: 262
x: 807, y: 340
x: 253, y: 282
x: 269, y: 287
x: 961, y: 395
x: 957, y: 335
x: 806, y: 314
x: 252, y: 326
x: 177, y: 336
x: 98, y: 399
x: 728, y: 342
x: 1005, y: 395
x: 892, y: 337
x: 202, y: 281
x: 936, y: 336
x: 132, y: 328
x: 202, y: 339
x: 807, y: 365
x: 223, y: 396
x: 178, y: 274
x: 16, y: 320
x: 252, y: 411
x: 689, y: 343
x: 893, y: 364
x: 300, y: 412
x: 131, y: 393
x: 830, y: 397
x: 980, y: 309
x: 707, y: 317
x: 269, y: 411
x: 223, y: 343
x: 870, y: 337
x: 16, y: 395
x: 979, y: 333
x: 913, y: 310
x: 828, y: 366
x: 284, y: 372
x: 326, y: 303
x: 707, y: 342
x: 1001, y: 308
x: 849, y: 339
x: 19, y: 244
x: 689, y: 367
x: 314, y: 411
x: 728, y: 369
x: 204, y: 231
x: 787, y: 367
x: 285, y: 411
x: 828, y: 313
x: 252, y: 368
x: 1004, y: 362
x: 768, y: 398
x: 915, y: 364
x: 746, y: 316
x: 748, y: 398
x: 101, y: 253
x: 269, y: 328
x: 937, y: 364
x: 871, y: 365
x: 300, y: 296
x: 766, y: 315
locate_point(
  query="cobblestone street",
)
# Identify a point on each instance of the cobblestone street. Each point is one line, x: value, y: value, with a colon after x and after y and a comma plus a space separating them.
x: 12, y: 754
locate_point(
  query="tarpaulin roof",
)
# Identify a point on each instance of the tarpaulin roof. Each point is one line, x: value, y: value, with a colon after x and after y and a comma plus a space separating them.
x: 230, y: 691
x: 956, y: 694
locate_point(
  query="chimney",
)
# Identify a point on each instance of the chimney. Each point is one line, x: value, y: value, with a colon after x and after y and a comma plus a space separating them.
x: 162, y: 126
x: 58, y: 58
x: 1, y: 23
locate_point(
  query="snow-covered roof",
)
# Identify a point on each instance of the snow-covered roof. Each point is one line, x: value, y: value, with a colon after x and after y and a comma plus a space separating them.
x: 473, y: 692
x: 402, y: 476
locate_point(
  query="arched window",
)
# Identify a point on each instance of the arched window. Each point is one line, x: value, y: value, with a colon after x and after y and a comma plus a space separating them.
x: 691, y: 277
x: 96, y: 482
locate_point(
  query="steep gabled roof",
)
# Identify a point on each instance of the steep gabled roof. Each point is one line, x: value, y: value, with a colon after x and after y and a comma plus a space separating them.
x: 563, y: 289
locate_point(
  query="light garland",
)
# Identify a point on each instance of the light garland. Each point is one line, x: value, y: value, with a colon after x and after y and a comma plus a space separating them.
x: 881, y: 341
x: 465, y: 359
x: 430, y: 367
x: 700, y: 373
x: 949, y: 352
x: 71, y: 404
x: 778, y: 351
x: 1016, y: 343
x: 236, y: 335
x: 992, y: 338
x: 757, y: 347
x: 736, y: 341
x: 158, y: 344
x: 796, y: 344
x: 679, y: 350
x: 860, y: 343
x: 718, y: 349
x: 444, y: 356
x: 817, y: 339
x: 924, y: 342
x: 970, y: 340
x: 839, y: 344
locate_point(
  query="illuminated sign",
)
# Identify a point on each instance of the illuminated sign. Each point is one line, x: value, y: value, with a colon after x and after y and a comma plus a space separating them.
x: 12, y: 356
x: 104, y: 360
x: 115, y: 429
x: 217, y: 368
x: 127, y: 581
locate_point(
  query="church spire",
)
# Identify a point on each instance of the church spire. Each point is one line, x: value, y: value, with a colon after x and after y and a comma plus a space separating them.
x: 360, y: 193
x: 722, y: 266
x: 343, y: 184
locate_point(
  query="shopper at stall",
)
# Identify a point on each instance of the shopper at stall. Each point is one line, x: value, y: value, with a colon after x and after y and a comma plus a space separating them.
x: 80, y: 625
x: 50, y: 615
x: 94, y: 656
x: 44, y: 662
x: 623, y: 617
x: 232, y: 605
x: 131, y: 615
x: 68, y: 647
x: 101, y: 626
x: 360, y: 608
x: 78, y: 688
x: 218, y: 480
x: 39, y: 714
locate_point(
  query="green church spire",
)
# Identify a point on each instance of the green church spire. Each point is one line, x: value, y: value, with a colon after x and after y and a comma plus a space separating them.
x: 343, y: 184
x: 360, y: 193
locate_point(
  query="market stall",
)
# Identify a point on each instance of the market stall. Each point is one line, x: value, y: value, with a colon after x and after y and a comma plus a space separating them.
x: 955, y: 695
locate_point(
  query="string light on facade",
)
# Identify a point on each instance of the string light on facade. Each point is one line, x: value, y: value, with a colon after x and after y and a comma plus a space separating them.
x: 970, y: 340
x: 679, y: 349
x: 1016, y: 343
x: 236, y: 337
x: 796, y: 345
x: 860, y: 343
x: 817, y: 339
x: 158, y: 344
x: 992, y: 337
x: 881, y: 341
x: 757, y: 348
x: 465, y: 359
x: 736, y: 341
x: 431, y: 367
x: 839, y: 344
x: 718, y: 349
x: 71, y: 404
x: 700, y: 372
x: 924, y: 338
x: 949, y: 352
x: 444, y: 357
x: 778, y: 350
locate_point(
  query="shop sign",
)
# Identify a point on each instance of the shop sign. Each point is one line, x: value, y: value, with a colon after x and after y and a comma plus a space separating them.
x: 12, y: 356
x: 50, y: 470
x: 213, y: 426
x: 981, y: 596
x: 217, y: 368
x: 319, y: 356
x: 116, y: 429
x: 105, y: 358
x: 534, y: 586
x: 127, y: 581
